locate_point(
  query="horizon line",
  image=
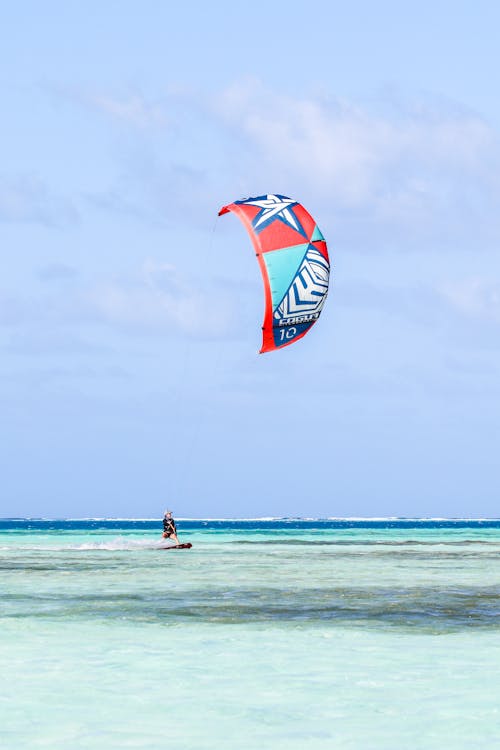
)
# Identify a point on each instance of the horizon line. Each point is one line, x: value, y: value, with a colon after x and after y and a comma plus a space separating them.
x: 256, y: 518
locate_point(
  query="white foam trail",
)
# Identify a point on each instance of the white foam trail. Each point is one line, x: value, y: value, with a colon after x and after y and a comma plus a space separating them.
x: 113, y: 545
x: 122, y: 543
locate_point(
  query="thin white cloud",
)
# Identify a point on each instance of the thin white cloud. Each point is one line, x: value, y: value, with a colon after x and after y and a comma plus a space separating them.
x: 162, y: 299
x: 155, y: 191
x: 411, y: 174
x: 474, y: 297
x: 159, y: 300
x: 427, y: 167
x: 27, y: 199
x: 133, y: 109
x: 348, y: 148
x: 57, y: 271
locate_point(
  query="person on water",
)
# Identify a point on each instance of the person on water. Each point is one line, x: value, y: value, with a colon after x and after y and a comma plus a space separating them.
x: 169, y: 527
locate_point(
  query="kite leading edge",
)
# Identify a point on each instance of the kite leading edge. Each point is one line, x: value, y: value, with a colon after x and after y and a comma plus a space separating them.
x: 294, y: 263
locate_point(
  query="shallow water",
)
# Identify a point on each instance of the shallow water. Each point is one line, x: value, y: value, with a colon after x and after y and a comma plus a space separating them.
x: 268, y: 634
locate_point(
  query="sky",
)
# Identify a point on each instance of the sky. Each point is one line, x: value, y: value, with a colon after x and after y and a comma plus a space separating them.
x: 130, y: 315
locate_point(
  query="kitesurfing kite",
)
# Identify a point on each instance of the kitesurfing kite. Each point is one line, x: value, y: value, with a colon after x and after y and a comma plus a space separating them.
x: 294, y: 263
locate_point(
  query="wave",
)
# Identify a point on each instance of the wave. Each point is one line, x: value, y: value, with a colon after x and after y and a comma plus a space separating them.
x: 353, y: 542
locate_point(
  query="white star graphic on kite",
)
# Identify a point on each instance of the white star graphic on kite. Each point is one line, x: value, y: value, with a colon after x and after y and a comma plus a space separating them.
x: 274, y: 207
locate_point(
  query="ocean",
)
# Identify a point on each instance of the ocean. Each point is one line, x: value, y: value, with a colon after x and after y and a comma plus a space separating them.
x: 272, y: 633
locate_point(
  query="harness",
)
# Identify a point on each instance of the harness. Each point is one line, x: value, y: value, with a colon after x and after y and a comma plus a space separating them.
x: 169, y: 526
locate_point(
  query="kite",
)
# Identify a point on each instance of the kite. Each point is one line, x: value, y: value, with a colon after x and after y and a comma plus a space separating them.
x: 294, y: 263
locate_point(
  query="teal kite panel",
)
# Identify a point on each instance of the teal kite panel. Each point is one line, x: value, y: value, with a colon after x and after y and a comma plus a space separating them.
x: 282, y: 265
x: 316, y: 235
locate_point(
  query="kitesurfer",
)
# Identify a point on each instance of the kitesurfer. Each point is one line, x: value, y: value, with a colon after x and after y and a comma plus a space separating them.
x: 169, y: 527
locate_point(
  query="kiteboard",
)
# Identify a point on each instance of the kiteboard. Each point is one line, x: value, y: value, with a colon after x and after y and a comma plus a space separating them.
x: 186, y: 545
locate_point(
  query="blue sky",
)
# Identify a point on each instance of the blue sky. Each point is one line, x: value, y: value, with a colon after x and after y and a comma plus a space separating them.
x: 130, y: 318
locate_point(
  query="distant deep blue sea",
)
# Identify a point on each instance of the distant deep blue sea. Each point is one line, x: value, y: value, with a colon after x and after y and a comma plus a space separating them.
x: 254, y: 524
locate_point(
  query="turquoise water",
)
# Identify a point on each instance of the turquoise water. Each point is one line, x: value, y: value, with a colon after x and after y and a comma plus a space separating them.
x: 264, y: 635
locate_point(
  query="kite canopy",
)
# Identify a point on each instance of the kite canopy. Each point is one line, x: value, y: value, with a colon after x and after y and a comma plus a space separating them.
x: 294, y: 263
